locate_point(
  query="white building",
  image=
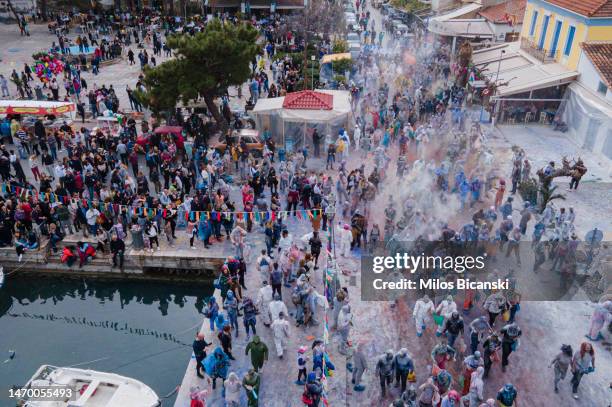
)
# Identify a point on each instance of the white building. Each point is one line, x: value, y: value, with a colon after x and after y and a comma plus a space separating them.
x: 595, y: 68
x: 588, y: 105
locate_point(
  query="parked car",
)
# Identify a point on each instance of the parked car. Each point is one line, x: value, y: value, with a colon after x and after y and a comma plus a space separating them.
x: 249, y: 136
x: 352, y: 37
x: 354, y: 49
x: 386, y: 9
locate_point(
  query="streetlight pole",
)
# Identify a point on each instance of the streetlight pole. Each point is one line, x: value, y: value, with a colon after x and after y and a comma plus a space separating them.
x: 501, y: 56
x: 312, y: 59
x: 493, y: 111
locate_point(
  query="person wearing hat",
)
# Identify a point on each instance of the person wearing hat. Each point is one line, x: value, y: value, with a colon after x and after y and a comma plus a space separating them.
x: 302, y: 359
x: 510, y: 341
x: 403, y: 366
x: 313, y: 390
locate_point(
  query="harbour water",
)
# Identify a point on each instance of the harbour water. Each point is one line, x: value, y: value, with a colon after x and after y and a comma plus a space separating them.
x: 138, y: 330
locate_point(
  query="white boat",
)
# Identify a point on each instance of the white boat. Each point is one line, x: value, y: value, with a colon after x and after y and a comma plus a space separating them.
x: 93, y: 389
x: 2, y: 276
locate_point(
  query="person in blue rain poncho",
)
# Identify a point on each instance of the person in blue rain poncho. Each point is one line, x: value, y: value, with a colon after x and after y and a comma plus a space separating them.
x: 217, y: 366
x: 204, y: 231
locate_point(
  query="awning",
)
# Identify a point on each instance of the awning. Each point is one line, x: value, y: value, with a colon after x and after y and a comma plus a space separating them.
x: 169, y: 130
x: 534, y: 77
x: 471, y: 8
x: 467, y: 28
x: 35, y: 107
x: 522, y: 73
x: 335, y: 57
x: 224, y: 3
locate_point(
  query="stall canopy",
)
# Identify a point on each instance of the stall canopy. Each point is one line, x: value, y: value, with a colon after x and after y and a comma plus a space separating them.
x: 292, y: 119
x: 335, y: 57
x: 320, y: 106
x: 175, y: 131
x: 35, y: 107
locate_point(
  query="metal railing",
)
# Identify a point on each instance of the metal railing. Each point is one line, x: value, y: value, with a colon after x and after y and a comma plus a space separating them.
x: 543, y: 55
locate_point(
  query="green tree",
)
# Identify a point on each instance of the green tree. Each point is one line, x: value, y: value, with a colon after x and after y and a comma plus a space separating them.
x: 205, y: 65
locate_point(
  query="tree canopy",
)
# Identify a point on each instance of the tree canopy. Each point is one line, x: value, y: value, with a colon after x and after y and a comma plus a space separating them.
x: 204, y: 65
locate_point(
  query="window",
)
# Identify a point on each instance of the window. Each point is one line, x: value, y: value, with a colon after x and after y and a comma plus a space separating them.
x: 602, y: 88
x: 534, y: 20
x: 555, y: 38
x: 543, y: 33
x: 569, y: 41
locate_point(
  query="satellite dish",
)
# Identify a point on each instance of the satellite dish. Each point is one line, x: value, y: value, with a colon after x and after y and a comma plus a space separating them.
x: 593, y: 236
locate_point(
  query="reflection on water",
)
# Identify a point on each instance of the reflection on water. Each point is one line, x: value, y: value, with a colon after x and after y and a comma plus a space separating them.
x: 135, y: 329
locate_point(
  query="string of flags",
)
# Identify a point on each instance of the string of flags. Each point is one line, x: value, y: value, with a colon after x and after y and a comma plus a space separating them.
x: 327, y: 282
x: 258, y: 216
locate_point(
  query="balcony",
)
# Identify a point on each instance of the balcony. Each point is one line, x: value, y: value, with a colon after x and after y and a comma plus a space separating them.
x: 541, y: 55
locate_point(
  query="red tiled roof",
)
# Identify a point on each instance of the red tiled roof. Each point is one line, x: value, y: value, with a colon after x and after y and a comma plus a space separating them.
x: 309, y: 100
x: 588, y: 8
x: 600, y: 54
x: 512, y: 10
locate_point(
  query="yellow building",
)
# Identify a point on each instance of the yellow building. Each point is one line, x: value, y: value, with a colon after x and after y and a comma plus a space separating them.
x: 554, y: 29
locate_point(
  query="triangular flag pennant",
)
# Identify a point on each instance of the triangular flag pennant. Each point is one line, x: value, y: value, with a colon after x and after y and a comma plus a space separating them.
x: 219, y: 216
x: 256, y: 216
x: 197, y: 216
x: 299, y: 214
x: 304, y: 214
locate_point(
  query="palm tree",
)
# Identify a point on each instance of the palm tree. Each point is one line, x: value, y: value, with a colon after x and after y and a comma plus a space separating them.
x: 547, y: 194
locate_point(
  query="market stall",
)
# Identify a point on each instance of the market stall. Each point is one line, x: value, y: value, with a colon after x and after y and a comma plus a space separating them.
x: 53, y: 114
x: 35, y: 107
x: 292, y: 119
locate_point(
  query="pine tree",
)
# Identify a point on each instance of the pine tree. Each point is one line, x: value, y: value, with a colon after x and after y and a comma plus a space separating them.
x: 205, y: 65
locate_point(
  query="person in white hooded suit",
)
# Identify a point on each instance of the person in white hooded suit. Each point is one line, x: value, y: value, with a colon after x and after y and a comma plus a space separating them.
x: 264, y: 298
